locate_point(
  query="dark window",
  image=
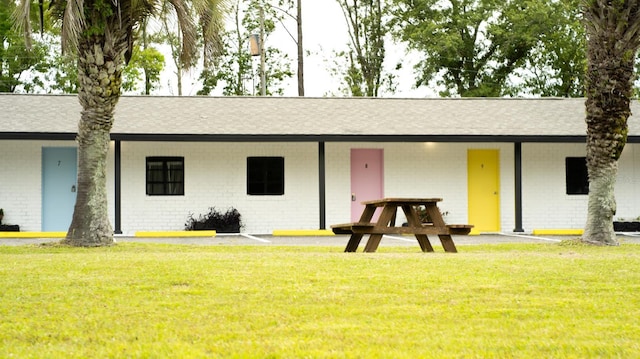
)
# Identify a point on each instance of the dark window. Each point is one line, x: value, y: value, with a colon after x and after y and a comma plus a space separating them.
x: 577, y: 178
x: 265, y: 176
x: 165, y: 176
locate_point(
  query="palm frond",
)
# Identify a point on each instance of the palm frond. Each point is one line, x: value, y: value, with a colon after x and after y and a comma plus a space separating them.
x: 21, y: 20
x: 73, y: 23
x: 133, y: 15
x: 140, y: 10
x: 212, y: 17
x: 189, y: 31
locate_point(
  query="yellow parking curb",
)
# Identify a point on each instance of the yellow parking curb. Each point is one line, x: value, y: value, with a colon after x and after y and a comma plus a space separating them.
x: 33, y: 234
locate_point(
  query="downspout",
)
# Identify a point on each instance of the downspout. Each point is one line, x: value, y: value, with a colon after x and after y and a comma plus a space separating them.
x: 517, y: 149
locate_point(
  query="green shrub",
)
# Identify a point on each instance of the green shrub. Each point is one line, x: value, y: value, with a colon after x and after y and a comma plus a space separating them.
x: 228, y: 222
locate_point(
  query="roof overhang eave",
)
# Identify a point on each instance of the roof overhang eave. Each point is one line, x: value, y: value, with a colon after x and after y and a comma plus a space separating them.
x: 56, y: 136
x: 343, y: 138
x: 65, y: 136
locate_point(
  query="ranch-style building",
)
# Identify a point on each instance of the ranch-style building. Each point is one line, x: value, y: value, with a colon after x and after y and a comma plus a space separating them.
x: 503, y: 165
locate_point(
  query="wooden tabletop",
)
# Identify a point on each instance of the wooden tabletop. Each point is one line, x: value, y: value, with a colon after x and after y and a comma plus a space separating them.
x: 411, y: 201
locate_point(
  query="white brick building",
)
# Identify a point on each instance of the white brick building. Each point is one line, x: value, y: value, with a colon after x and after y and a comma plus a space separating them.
x: 425, y: 148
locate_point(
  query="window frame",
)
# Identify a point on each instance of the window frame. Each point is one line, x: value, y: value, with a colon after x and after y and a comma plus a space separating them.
x: 165, y: 171
x: 271, y: 172
x: 576, y: 176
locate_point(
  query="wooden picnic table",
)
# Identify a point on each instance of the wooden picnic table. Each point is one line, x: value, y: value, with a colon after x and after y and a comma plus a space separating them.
x: 386, y: 224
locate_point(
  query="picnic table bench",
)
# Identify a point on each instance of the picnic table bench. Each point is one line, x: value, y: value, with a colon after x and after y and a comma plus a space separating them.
x: 386, y: 224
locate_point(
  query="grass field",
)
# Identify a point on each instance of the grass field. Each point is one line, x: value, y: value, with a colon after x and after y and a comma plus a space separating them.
x: 173, y: 301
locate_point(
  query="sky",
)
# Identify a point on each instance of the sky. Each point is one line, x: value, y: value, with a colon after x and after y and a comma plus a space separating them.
x: 324, y: 30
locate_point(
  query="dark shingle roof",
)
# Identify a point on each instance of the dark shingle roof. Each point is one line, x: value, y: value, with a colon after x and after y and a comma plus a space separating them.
x: 138, y: 117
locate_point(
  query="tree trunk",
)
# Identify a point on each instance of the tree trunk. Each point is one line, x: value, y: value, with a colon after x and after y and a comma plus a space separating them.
x: 300, y: 50
x: 602, y: 206
x: 609, y: 90
x: 99, y: 78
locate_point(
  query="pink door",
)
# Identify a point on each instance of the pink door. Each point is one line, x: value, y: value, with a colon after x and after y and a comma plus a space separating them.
x: 366, y: 179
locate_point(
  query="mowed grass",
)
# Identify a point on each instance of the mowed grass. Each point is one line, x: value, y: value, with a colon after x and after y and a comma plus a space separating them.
x: 170, y: 301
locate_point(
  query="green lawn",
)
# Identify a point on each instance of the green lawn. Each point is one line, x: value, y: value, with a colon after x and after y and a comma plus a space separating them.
x: 171, y: 301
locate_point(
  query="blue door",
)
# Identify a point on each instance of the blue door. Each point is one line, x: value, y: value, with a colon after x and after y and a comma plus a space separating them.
x: 59, y: 173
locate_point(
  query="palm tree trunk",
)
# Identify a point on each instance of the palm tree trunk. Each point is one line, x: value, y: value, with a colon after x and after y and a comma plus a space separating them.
x: 609, y: 89
x: 602, y: 205
x: 99, y: 90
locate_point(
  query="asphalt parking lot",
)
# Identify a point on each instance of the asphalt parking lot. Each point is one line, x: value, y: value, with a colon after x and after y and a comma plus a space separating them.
x: 338, y: 240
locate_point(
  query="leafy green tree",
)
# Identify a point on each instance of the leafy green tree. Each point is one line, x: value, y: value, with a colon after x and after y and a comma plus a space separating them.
x: 556, y: 66
x: 366, y: 28
x: 15, y: 59
x: 145, y: 66
x: 171, y: 35
x: 470, y: 47
x: 234, y: 69
x: 287, y: 7
x: 101, y: 34
x: 63, y: 75
x: 613, y: 39
x: 234, y: 65
x: 146, y: 63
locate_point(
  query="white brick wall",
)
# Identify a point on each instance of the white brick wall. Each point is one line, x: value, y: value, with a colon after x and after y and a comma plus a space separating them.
x: 216, y: 176
x: 628, y: 183
x: 545, y: 202
x: 21, y: 181
x: 338, y: 183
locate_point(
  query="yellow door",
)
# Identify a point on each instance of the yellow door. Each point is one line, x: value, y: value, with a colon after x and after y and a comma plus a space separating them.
x: 483, y: 176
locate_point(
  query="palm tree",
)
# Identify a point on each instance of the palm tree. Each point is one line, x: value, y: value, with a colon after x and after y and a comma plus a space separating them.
x: 102, y: 34
x: 613, y: 38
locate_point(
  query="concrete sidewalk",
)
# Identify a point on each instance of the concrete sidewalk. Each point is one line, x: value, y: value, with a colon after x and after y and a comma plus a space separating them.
x: 336, y: 241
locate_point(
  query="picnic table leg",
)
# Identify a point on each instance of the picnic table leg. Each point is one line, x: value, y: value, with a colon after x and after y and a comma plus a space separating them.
x: 367, y: 214
x: 392, y: 222
x: 423, y: 241
x: 388, y: 212
x: 354, y: 242
x: 435, y: 215
x: 447, y: 243
x: 438, y: 221
x: 414, y: 221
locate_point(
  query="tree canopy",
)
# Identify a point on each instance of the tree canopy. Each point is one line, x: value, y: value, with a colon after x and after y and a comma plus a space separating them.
x: 366, y: 54
x: 556, y: 66
x: 16, y: 60
x: 470, y: 47
x: 235, y: 72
